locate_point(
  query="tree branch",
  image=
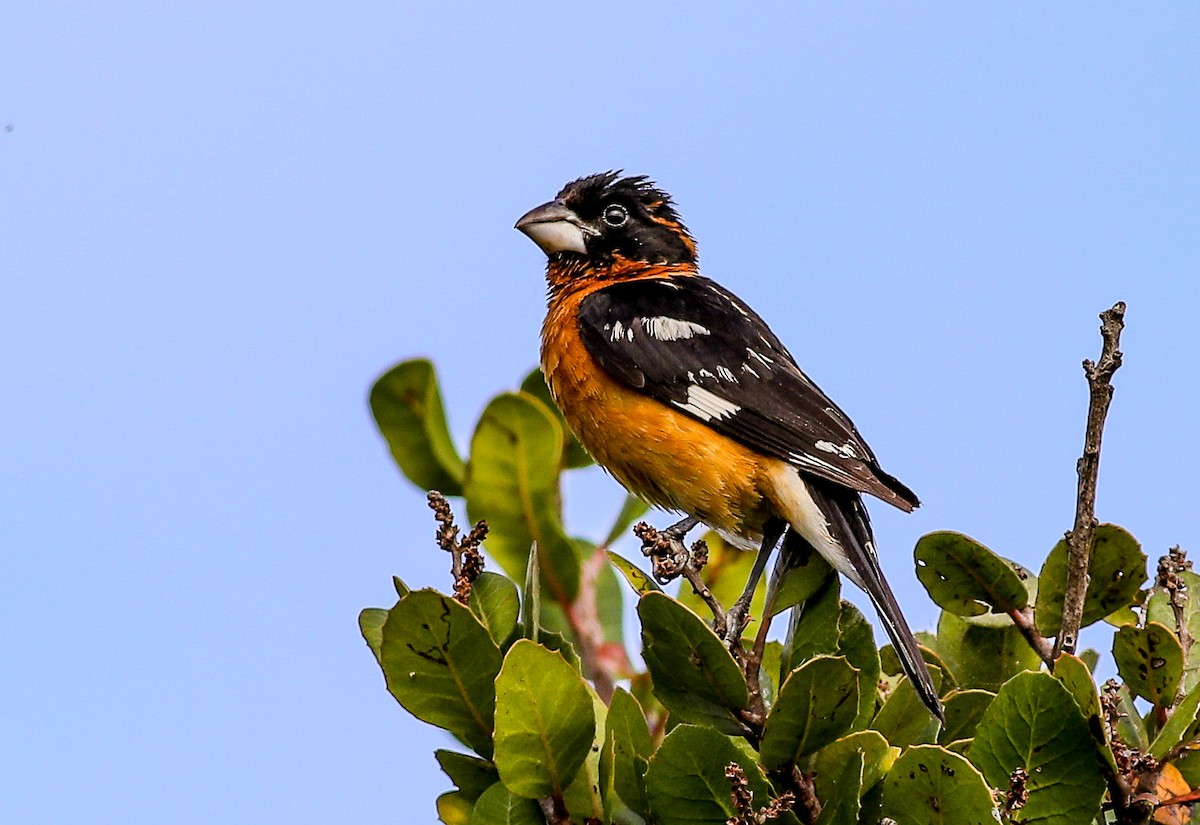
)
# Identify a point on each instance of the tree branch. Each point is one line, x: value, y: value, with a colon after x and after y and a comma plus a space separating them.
x: 1079, y: 540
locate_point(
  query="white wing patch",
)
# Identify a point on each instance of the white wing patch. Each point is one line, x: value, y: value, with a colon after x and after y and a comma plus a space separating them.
x: 844, y: 451
x: 617, y: 331
x: 672, y: 329
x: 706, y: 405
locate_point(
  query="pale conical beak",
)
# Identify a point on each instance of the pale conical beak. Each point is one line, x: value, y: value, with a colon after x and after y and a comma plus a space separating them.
x: 554, y: 228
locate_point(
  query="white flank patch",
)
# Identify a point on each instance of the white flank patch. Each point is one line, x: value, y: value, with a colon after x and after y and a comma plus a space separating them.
x: 706, y: 405
x: 845, y: 450
x: 802, y: 513
x: 672, y: 329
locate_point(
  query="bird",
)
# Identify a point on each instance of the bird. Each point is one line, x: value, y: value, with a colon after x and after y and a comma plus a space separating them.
x: 682, y: 392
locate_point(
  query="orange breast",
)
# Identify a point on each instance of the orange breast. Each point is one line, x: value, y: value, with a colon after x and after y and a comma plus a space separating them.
x: 660, y: 454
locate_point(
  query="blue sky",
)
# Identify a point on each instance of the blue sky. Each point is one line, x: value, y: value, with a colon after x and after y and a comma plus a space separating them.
x: 219, y: 224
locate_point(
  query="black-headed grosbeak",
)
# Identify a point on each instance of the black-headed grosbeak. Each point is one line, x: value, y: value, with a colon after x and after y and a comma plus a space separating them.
x: 683, y: 393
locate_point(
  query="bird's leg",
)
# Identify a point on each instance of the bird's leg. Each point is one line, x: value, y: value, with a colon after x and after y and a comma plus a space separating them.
x: 666, y: 548
x: 739, y: 614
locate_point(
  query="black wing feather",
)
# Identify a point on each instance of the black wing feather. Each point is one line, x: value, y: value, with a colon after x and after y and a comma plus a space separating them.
x: 693, y: 345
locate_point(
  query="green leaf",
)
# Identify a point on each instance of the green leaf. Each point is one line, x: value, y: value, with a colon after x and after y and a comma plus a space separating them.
x: 402, y: 589
x: 686, y: 780
x: 454, y: 808
x: 1117, y: 571
x: 545, y: 721
x: 499, y: 806
x: 1182, y: 726
x: 574, y: 455
x: 632, y: 509
x: 531, y: 607
x: 891, y: 663
x: 1150, y: 660
x: 629, y: 734
x: 512, y: 482
x: 583, y: 797
x: 806, y: 573
x: 1035, y: 724
x: 769, y: 672
x: 1076, y: 677
x: 370, y: 624
x: 407, y: 406
x: 1159, y: 609
x: 440, y: 664
x: 929, y: 785
x: 965, y: 578
x: 877, y: 755
x: 904, y: 720
x: 695, y: 677
x: 495, y: 601
x: 964, y: 709
x: 818, y: 703
x: 813, y: 627
x: 610, y: 600
x: 637, y: 578
x: 725, y: 575
x: 981, y: 656
x: 470, y: 774
x: 842, y: 803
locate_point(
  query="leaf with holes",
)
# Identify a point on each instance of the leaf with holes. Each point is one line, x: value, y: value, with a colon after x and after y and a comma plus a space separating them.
x: 1150, y: 660
x: 1035, y: 724
x: 1117, y: 571
x: 929, y: 785
x: 965, y: 578
x: 545, y: 721
x: 407, y: 406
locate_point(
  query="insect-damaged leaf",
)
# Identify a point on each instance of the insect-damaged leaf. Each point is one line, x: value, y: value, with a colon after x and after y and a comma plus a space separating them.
x: 1035, y: 724
x: 929, y: 785
x: 1150, y: 660
x: 440, y: 664
x: 1117, y: 570
x: 407, y: 406
x: 965, y: 578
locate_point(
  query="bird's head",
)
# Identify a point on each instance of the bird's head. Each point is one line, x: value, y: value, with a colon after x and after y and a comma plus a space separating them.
x: 603, y: 217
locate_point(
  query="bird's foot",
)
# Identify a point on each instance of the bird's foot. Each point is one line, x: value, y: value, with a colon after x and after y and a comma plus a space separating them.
x: 669, y: 557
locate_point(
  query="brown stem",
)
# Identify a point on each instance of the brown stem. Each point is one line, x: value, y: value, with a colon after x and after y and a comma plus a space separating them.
x: 1023, y: 619
x: 1079, y: 540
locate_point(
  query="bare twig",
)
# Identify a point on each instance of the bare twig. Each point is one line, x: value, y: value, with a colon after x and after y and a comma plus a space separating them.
x: 1079, y: 540
x: 466, y: 562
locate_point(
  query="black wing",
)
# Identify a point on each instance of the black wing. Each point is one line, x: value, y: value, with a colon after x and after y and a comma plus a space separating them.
x: 695, y: 346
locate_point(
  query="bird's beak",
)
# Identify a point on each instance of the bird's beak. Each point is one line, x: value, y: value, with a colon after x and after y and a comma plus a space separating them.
x: 554, y: 228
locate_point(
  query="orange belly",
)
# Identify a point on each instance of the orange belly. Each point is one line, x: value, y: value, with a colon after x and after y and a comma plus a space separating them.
x: 656, y: 452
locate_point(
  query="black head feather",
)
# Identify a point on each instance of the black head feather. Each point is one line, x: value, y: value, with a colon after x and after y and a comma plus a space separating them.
x: 630, y: 217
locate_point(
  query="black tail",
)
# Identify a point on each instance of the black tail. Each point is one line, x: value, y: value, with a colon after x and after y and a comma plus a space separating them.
x: 851, y: 528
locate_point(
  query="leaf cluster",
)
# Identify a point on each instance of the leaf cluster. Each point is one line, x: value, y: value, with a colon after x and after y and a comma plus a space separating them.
x: 531, y: 675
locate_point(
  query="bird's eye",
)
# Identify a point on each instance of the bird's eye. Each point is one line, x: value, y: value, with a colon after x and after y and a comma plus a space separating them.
x: 615, y: 215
